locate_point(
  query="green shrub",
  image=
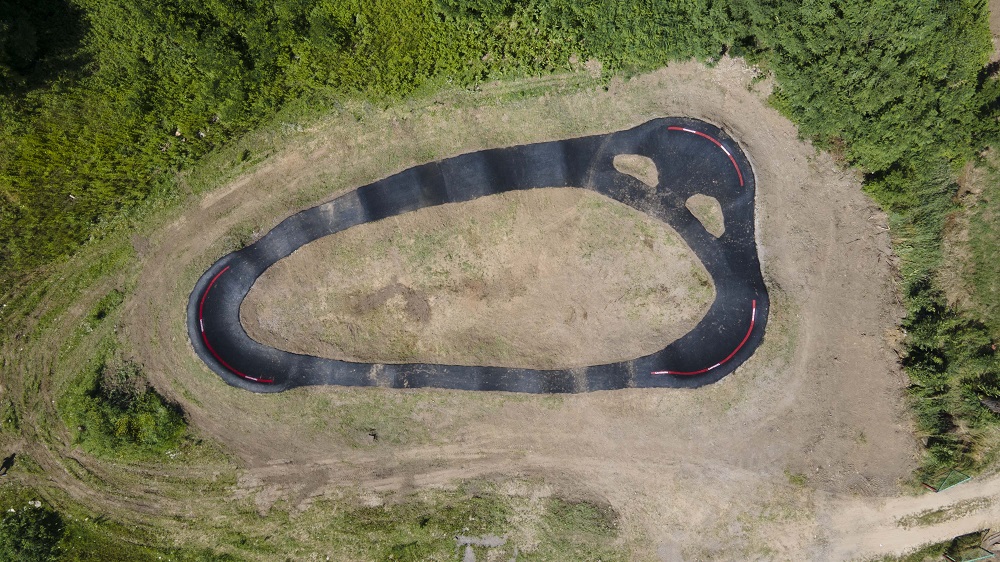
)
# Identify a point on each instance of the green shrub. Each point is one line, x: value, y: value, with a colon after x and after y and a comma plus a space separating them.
x: 113, y: 412
x: 30, y: 534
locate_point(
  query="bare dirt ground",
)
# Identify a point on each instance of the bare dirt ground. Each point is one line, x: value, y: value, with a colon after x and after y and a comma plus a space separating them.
x: 550, y: 278
x: 777, y: 461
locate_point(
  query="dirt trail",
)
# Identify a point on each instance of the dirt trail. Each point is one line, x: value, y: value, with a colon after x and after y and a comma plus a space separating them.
x: 858, y: 529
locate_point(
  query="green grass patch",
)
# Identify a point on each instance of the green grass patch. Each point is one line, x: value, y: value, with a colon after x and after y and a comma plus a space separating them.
x: 961, y: 548
x: 10, y: 420
x: 796, y: 479
x: 97, y: 262
x: 418, y: 527
x: 74, y: 535
x: 928, y: 553
x: 108, y: 303
x: 239, y: 236
x: 577, y: 530
x: 381, y: 417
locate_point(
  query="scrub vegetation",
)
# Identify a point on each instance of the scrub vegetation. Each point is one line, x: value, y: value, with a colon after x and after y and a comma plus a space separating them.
x: 116, y: 413
x: 106, y: 106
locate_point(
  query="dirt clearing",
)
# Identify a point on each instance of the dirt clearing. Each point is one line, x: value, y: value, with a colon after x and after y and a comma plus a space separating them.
x: 549, y: 278
x: 732, y: 471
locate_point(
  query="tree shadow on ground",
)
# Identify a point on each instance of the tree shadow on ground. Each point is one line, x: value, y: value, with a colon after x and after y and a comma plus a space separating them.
x: 40, y: 41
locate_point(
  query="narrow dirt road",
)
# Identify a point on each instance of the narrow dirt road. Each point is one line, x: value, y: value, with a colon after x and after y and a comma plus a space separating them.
x: 858, y: 529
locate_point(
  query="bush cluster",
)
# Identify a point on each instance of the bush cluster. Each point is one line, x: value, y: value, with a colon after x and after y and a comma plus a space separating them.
x: 115, y: 413
x: 904, y: 91
x: 30, y: 534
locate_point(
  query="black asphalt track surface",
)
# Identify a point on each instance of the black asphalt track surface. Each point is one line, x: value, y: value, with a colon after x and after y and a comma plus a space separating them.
x: 691, y: 157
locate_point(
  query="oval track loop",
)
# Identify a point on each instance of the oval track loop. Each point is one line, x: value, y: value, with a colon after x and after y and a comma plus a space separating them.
x: 726, y: 336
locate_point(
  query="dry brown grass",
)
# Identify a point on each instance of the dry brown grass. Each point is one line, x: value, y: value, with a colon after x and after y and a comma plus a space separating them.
x: 549, y: 278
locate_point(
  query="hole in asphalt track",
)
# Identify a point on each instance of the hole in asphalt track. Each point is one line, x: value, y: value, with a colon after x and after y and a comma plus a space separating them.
x: 708, y: 211
x: 639, y: 167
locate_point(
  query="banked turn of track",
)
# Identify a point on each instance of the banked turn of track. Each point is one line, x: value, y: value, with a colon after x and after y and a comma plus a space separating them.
x: 691, y: 157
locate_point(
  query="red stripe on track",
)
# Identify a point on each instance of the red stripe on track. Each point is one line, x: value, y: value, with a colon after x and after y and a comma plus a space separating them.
x: 717, y: 143
x: 753, y: 320
x: 204, y: 338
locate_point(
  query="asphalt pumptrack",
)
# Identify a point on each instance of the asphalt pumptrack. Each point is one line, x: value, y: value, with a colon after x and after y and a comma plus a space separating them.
x: 691, y: 157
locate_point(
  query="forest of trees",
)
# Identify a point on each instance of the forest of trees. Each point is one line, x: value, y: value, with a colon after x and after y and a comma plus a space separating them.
x: 101, y: 103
